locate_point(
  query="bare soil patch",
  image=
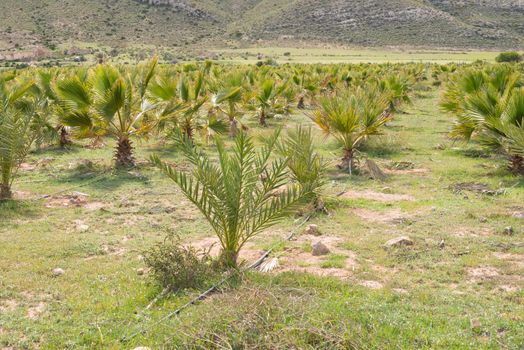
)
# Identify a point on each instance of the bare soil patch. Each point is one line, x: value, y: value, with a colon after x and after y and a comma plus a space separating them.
x: 70, y: 200
x: 482, y: 273
x: 393, y: 215
x: 371, y: 284
x: 475, y: 187
x: 296, y: 259
x: 41, y: 163
x: 508, y: 288
x: 517, y: 259
x: 23, y: 195
x: 465, y: 232
x: 377, y: 196
x: 36, y: 311
x: 420, y: 171
x: 403, y: 168
x: 8, y: 305
x: 114, y: 250
x: 211, y: 245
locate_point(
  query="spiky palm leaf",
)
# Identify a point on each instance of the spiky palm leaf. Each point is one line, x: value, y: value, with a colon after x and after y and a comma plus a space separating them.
x: 17, y: 110
x: 352, y: 119
x: 109, y: 102
x: 237, y: 195
x: 306, y: 166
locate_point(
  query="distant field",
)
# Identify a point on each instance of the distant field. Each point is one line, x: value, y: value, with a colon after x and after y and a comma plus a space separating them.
x: 320, y: 55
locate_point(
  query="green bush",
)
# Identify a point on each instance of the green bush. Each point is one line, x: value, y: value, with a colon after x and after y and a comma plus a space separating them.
x: 178, y: 267
x: 511, y: 56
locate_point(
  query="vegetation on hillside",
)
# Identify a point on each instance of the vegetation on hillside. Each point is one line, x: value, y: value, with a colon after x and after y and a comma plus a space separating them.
x: 40, y: 27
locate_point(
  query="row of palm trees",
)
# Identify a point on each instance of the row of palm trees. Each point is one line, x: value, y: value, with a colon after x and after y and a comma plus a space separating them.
x: 40, y: 106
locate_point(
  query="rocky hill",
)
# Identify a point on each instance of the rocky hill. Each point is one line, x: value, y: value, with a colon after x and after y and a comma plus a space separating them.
x: 52, y: 24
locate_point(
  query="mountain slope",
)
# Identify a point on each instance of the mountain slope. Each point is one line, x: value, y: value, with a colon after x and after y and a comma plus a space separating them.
x: 181, y: 23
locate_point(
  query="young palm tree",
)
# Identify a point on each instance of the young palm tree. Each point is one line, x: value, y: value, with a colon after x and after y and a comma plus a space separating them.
x: 227, y: 102
x: 181, y: 104
x: 109, y: 103
x: 45, y: 119
x: 489, y: 107
x: 480, y: 91
x: 398, y: 88
x: 237, y: 195
x: 17, y: 111
x: 352, y: 119
x: 263, y: 100
x: 306, y: 166
x: 502, y: 128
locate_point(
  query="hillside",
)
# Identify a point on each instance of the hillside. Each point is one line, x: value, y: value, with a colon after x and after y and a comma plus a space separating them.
x: 191, y: 23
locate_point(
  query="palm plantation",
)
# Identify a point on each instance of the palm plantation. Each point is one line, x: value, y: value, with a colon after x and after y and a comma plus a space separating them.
x: 323, y: 247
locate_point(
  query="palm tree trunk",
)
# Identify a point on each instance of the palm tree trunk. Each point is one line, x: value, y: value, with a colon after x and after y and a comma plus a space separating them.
x: 233, y: 128
x: 301, y: 104
x: 229, y: 258
x: 188, y: 130
x: 347, y: 161
x: 5, y: 192
x: 124, y: 153
x: 262, y: 119
x: 64, y: 137
x: 517, y: 164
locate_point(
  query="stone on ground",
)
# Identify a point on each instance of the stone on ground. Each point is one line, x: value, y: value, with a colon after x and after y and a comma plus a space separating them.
x: 399, y: 241
x: 319, y: 248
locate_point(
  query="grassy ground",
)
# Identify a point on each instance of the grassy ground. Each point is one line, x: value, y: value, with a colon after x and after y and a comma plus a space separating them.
x: 355, y: 55
x: 459, y: 286
x: 137, y: 53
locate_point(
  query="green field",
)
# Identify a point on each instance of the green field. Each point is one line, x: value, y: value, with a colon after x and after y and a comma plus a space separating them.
x: 356, y: 55
x: 460, y: 286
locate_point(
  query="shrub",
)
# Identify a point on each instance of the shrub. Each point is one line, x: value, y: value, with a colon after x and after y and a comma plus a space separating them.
x: 511, y: 56
x: 178, y: 267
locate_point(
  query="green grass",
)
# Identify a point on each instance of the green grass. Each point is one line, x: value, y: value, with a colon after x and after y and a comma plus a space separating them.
x: 353, y: 55
x: 429, y: 297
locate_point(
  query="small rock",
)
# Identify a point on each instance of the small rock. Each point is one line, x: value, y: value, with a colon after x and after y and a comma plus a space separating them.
x: 319, y: 248
x: 141, y: 271
x: 312, y: 230
x: 58, y: 272
x: 475, y: 324
x: 125, y: 203
x: 371, y: 284
x: 508, y: 231
x: 82, y: 227
x: 483, y: 219
x: 518, y: 215
x: 399, y: 241
x: 79, y: 194
x: 142, y: 348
